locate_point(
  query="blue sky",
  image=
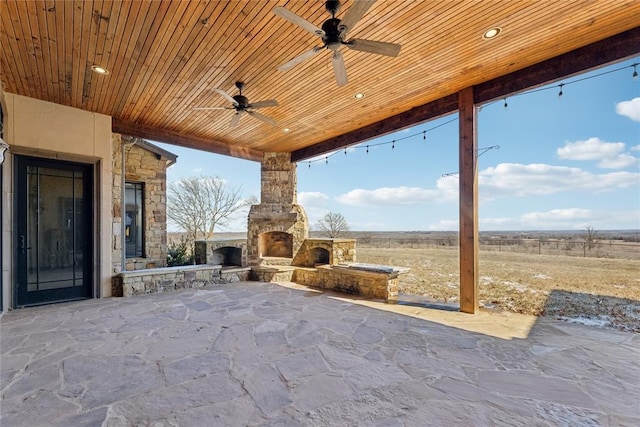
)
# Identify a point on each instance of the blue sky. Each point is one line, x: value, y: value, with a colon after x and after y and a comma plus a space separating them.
x: 563, y: 163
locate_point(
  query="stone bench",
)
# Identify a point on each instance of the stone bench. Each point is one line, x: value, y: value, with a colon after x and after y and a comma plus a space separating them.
x: 365, y: 280
x: 155, y: 280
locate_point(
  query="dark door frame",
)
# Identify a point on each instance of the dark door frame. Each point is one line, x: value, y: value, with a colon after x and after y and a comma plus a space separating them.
x: 19, y: 284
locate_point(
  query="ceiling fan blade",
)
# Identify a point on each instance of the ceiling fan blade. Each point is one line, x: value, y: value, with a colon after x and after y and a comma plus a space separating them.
x: 370, y: 46
x: 298, y: 20
x: 235, y: 120
x: 262, y: 117
x: 212, y: 108
x: 339, y: 69
x: 298, y: 59
x: 226, y: 96
x: 356, y: 11
x: 262, y: 104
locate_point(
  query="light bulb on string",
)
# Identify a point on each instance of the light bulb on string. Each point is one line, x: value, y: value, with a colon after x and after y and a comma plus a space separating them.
x: 393, y: 144
x: 561, y: 93
x: 367, y: 149
x: 326, y: 160
x: 635, y: 72
x: 505, y: 103
x: 309, y: 165
x: 345, y: 151
x: 424, y: 134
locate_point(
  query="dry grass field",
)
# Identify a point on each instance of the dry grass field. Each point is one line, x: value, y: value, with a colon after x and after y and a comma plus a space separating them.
x: 599, y: 291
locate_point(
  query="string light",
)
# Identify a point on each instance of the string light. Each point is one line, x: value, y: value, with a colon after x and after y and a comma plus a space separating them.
x: 481, y: 151
x: 326, y: 160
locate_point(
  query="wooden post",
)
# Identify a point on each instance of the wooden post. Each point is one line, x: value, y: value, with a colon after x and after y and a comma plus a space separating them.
x: 469, y: 300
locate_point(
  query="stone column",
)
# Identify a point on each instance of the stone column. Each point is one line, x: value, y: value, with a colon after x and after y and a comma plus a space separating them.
x: 278, y: 209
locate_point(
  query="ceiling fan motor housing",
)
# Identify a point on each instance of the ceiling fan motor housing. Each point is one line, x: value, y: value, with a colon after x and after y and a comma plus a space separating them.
x: 332, y: 33
x: 243, y: 102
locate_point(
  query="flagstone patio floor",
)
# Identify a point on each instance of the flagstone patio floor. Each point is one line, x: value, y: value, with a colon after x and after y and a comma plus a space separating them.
x: 254, y: 354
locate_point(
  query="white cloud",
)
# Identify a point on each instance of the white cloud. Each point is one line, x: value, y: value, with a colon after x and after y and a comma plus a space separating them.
x: 635, y: 148
x: 315, y: 205
x: 313, y: 199
x: 591, y: 149
x: 620, y: 161
x: 388, y: 196
x: 630, y: 109
x: 557, y: 214
x: 514, y: 179
x: 503, y: 180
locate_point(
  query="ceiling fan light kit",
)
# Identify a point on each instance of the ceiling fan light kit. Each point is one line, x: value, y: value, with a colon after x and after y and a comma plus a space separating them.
x: 333, y: 34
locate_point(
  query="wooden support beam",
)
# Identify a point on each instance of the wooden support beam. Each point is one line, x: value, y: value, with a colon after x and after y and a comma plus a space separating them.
x: 188, y: 141
x: 610, y: 50
x: 416, y: 115
x: 468, y: 150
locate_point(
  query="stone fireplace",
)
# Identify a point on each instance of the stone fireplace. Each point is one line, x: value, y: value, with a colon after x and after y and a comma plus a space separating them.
x: 278, y: 226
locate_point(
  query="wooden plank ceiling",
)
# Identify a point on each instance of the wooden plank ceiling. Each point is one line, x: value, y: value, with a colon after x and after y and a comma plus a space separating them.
x: 166, y: 58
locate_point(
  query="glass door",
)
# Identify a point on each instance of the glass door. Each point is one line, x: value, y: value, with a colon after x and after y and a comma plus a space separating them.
x: 54, y: 231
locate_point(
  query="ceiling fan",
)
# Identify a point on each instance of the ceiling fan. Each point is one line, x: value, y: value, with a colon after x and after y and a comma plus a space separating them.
x: 333, y: 33
x: 241, y: 104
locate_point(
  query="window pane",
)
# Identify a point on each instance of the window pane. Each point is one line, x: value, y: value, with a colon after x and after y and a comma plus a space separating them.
x: 134, y: 219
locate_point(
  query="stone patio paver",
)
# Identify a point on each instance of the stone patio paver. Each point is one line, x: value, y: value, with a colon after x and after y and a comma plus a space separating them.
x: 261, y: 354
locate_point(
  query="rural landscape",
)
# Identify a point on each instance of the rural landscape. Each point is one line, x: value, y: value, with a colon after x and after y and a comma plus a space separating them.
x: 561, y: 274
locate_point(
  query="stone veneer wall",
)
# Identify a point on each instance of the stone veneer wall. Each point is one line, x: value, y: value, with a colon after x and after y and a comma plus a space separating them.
x: 141, y: 166
x: 140, y: 282
x: 341, y: 251
x: 278, y: 209
x: 367, y: 284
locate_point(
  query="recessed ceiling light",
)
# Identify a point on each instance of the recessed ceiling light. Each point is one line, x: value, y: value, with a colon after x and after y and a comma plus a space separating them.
x: 100, y: 70
x: 491, y: 33
x: 358, y: 95
x: 286, y: 130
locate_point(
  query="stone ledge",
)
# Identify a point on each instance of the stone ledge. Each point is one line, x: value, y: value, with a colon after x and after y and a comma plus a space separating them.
x: 165, y: 270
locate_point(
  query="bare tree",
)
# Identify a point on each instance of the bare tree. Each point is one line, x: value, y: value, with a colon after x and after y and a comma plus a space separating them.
x: 199, y: 205
x: 333, y: 225
x: 590, y: 237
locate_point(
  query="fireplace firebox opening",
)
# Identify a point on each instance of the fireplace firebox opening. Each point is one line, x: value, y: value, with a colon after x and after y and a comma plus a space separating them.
x: 227, y: 256
x: 275, y: 244
x: 320, y: 256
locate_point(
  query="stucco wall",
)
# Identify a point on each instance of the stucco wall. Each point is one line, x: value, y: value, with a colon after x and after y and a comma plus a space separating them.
x: 48, y: 130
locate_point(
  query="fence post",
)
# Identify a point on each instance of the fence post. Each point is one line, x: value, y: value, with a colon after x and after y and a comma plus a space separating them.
x: 539, y: 244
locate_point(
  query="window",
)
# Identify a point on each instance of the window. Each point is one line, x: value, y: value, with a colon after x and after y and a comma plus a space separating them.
x: 134, y: 219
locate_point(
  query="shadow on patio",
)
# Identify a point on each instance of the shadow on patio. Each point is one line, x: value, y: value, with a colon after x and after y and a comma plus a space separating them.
x: 265, y: 354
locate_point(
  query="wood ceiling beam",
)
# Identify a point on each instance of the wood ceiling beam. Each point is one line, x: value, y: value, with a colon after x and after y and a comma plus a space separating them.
x: 423, y: 113
x: 610, y: 50
x: 197, y: 143
x: 616, y: 48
